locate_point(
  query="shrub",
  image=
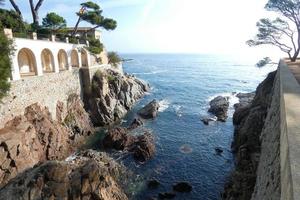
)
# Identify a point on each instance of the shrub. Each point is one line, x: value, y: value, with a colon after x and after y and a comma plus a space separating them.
x: 95, y: 46
x: 113, y: 58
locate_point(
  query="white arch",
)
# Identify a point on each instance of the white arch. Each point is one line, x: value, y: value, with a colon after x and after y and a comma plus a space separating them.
x: 47, y: 61
x: 62, y: 60
x: 84, y: 58
x: 74, y: 58
x: 27, y: 62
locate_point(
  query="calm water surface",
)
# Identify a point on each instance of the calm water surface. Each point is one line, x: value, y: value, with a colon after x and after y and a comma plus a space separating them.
x: 184, y: 84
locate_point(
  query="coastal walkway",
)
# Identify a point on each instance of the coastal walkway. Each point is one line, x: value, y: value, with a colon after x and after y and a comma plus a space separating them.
x: 289, y: 76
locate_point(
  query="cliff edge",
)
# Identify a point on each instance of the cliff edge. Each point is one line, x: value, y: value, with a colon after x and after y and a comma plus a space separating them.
x: 256, y: 145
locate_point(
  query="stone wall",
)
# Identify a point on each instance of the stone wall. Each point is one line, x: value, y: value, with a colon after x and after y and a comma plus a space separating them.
x: 268, y: 172
x: 45, y: 90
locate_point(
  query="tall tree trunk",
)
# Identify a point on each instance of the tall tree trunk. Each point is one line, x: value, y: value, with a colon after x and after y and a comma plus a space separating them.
x: 16, y: 7
x: 76, y: 27
x: 297, y: 51
x: 34, y: 11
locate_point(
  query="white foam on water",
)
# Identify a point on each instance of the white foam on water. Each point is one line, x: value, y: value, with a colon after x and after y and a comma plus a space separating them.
x: 178, y: 110
x: 163, y: 105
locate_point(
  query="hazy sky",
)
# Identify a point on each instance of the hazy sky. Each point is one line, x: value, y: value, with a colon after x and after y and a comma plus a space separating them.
x: 179, y: 26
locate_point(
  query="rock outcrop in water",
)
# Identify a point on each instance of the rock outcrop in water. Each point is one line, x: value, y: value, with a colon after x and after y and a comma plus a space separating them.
x: 219, y: 107
x: 35, y: 137
x: 142, y: 146
x: 150, y: 110
x: 91, y: 175
x: 255, y: 145
x: 112, y: 95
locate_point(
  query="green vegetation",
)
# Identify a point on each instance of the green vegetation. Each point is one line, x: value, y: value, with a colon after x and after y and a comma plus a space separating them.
x: 113, y: 58
x: 284, y: 32
x: 5, y: 65
x: 265, y: 61
x: 54, y: 22
x: 95, y: 46
x: 111, y: 78
x: 11, y: 19
x: 92, y: 13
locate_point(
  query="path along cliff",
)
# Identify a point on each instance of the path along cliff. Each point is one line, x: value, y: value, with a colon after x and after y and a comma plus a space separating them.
x: 35, y: 139
x: 256, y: 145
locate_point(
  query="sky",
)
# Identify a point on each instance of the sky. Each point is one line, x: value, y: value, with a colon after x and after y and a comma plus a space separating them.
x: 171, y: 26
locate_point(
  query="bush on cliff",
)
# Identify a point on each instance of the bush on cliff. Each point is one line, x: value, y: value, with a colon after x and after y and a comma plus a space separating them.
x: 113, y: 58
x: 5, y: 65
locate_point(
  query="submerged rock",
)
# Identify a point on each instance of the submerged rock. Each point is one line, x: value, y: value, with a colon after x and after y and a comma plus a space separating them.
x: 142, y: 146
x: 219, y: 107
x: 153, y: 184
x: 206, y: 120
x: 150, y: 110
x: 182, y: 187
x: 167, y: 195
x: 112, y: 95
x: 136, y: 123
x: 218, y: 150
x: 91, y: 175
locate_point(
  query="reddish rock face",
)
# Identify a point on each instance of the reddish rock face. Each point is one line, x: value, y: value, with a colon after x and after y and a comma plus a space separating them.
x: 90, y: 175
x: 36, y: 137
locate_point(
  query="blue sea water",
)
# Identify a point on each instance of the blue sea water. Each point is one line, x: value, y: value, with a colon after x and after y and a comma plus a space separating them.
x: 185, y: 147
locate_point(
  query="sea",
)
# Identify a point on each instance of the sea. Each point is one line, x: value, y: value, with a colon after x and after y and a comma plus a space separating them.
x: 185, y: 147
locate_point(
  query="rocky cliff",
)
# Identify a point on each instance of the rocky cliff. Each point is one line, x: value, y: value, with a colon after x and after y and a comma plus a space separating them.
x: 35, y: 137
x: 112, y: 95
x: 256, y: 145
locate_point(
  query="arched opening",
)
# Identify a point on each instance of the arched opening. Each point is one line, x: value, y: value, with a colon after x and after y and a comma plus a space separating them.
x: 84, y: 58
x: 27, y: 63
x: 74, y: 58
x: 62, y: 60
x: 47, y: 61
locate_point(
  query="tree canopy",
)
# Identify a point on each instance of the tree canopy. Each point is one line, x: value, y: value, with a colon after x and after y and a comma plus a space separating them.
x: 282, y: 32
x: 11, y: 19
x: 5, y: 65
x: 92, y: 13
x: 54, y: 22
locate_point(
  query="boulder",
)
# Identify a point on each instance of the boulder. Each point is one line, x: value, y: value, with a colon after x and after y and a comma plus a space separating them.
x: 118, y: 138
x: 182, y: 187
x: 91, y: 175
x: 150, y: 110
x: 219, y: 107
x: 142, y: 146
x: 244, y: 99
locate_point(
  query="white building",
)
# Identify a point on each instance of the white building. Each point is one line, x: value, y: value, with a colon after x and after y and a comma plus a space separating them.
x: 34, y: 57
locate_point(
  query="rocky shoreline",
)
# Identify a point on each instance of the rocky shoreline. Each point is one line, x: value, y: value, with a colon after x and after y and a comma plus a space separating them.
x: 33, y: 146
